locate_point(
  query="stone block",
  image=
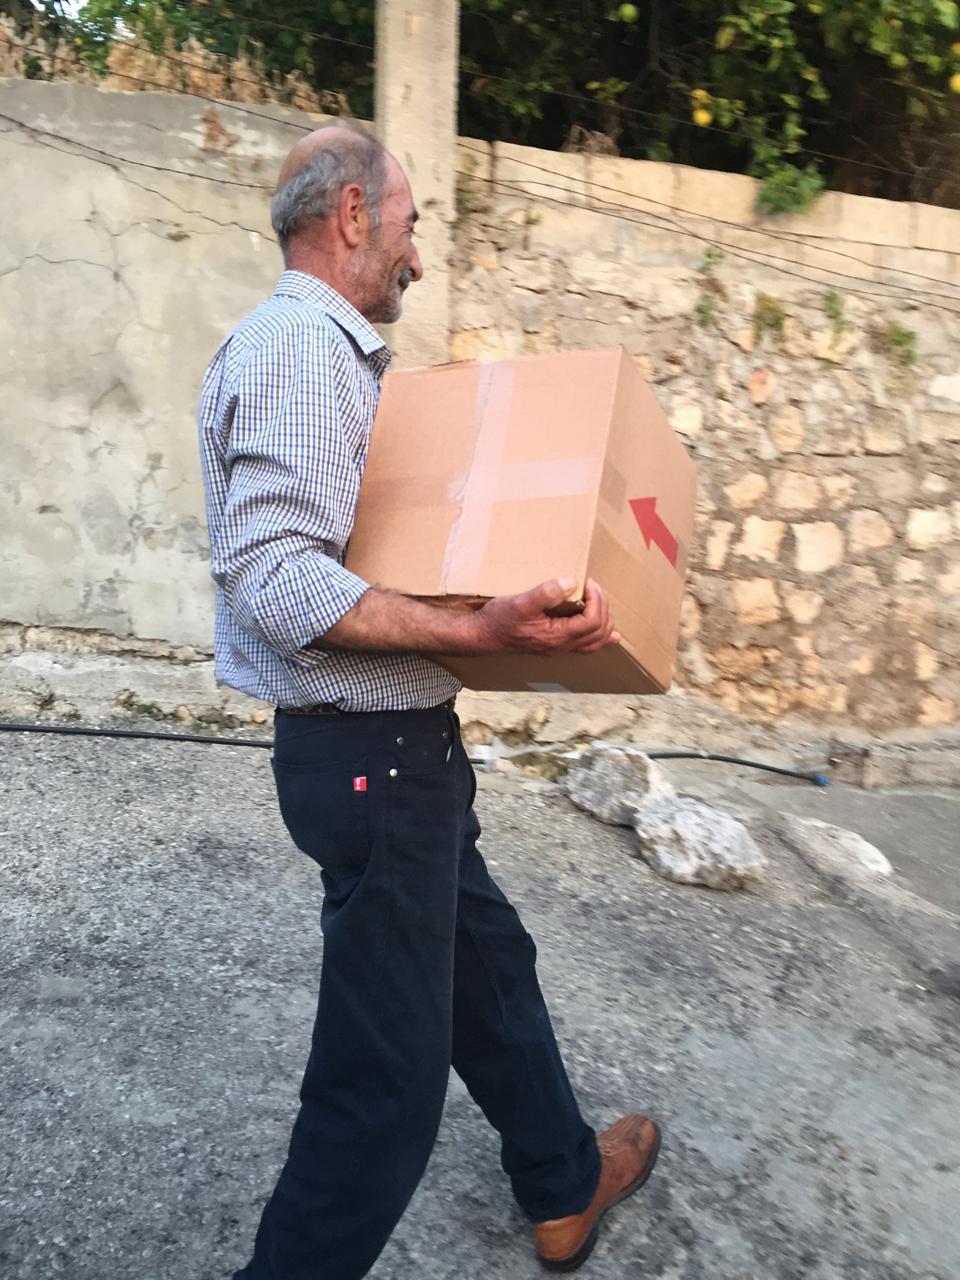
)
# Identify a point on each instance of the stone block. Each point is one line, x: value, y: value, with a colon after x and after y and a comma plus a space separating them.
x: 718, y: 544
x: 795, y: 491
x: 885, y: 432
x: 821, y: 220
x: 535, y: 274
x: 727, y: 196
x: 787, y: 429
x: 761, y: 385
x: 926, y: 661
x: 929, y: 528
x: 868, y: 531
x: 946, y: 386
x: 839, y: 490
x: 802, y: 604
x: 747, y: 491
x: 542, y: 174
x: 644, y: 185
x: 686, y: 416
x: 901, y: 266
x: 513, y: 717
x: 819, y: 546
x: 834, y: 346
x: 949, y: 583
x: 938, y: 428
x: 936, y: 228
x: 756, y: 601
x: 936, y: 711
x: 909, y: 570
x: 485, y: 344
x: 761, y: 539
x: 869, y: 221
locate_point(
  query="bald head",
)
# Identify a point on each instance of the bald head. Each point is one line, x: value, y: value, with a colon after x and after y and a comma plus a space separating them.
x: 343, y: 211
x: 315, y: 172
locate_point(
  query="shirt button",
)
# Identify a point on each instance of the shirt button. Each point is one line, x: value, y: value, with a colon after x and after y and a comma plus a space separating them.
x: 393, y: 773
x: 399, y: 742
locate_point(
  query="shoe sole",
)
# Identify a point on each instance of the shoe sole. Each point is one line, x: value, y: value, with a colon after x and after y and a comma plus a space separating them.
x: 577, y: 1259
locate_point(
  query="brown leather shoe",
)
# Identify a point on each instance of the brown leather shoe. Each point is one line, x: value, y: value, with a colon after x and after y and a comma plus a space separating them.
x: 628, y: 1153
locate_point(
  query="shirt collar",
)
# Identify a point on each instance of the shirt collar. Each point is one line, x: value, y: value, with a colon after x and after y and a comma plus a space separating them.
x: 307, y: 288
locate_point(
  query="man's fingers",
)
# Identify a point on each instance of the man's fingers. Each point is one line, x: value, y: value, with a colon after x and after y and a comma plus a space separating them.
x: 594, y: 646
x: 548, y: 595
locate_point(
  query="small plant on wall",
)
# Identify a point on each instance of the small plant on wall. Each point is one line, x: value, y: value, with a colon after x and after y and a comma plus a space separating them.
x: 896, y: 343
x: 768, y: 315
x: 835, y: 310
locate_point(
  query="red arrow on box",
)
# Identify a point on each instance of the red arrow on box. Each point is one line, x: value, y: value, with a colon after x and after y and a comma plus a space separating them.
x: 653, y: 528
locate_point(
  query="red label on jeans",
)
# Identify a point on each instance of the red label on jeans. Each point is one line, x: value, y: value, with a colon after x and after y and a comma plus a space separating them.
x: 359, y: 784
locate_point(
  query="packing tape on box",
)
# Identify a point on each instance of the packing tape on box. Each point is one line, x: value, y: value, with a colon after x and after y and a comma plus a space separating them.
x: 488, y: 480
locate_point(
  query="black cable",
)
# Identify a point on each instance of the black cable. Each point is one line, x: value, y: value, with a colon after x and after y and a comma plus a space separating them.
x: 734, y: 251
x: 108, y: 158
x: 84, y: 731
x: 798, y: 240
x: 610, y: 211
x: 729, y: 250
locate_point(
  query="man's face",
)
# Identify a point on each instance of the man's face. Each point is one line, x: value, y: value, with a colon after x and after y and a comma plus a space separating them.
x: 389, y: 262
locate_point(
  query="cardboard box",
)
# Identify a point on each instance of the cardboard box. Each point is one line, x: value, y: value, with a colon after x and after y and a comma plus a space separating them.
x: 487, y: 479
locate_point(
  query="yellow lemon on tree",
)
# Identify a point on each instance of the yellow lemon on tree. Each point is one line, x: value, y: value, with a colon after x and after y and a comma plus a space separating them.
x: 954, y: 82
x: 699, y: 95
x: 955, y: 47
x: 703, y: 117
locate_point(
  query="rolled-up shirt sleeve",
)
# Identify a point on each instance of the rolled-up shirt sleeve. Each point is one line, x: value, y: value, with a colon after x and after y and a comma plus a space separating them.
x: 291, y: 495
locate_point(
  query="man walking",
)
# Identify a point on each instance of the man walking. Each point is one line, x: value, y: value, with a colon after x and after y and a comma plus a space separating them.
x: 425, y: 962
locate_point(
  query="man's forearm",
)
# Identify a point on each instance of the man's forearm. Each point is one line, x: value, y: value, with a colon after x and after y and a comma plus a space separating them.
x: 386, y: 622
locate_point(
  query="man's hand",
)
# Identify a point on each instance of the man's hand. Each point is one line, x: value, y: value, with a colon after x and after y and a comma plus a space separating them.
x: 522, y: 624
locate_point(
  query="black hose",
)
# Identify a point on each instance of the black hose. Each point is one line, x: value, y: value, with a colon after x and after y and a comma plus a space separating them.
x: 83, y: 731
x: 820, y: 779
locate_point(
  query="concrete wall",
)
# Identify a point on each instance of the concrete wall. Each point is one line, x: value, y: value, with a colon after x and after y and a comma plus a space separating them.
x: 827, y: 577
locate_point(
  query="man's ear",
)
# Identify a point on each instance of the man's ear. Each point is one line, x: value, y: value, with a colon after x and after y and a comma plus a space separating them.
x: 353, y: 214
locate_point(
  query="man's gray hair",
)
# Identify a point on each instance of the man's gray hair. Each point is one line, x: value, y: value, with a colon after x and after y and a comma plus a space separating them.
x: 314, y: 190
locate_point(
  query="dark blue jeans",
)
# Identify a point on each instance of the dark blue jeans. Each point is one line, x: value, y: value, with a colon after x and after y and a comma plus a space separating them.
x: 425, y: 963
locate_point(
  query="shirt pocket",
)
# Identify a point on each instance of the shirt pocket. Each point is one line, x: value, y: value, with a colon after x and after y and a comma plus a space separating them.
x: 325, y: 808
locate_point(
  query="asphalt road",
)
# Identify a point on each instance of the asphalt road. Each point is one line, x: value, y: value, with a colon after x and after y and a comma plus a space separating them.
x: 159, y: 947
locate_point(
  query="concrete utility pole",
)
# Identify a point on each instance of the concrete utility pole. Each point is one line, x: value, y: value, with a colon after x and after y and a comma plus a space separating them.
x: 417, y: 55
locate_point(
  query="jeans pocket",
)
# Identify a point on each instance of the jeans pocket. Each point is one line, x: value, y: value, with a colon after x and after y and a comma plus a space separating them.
x: 325, y: 808
x: 424, y: 751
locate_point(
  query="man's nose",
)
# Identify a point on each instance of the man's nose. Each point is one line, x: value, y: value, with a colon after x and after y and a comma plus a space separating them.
x: 416, y: 266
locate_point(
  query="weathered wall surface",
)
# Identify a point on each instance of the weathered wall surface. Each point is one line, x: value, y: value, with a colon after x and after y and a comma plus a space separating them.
x: 827, y: 577
x: 115, y: 287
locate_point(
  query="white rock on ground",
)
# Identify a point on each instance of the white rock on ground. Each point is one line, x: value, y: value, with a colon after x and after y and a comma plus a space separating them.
x: 833, y: 850
x: 613, y: 784
x: 692, y: 843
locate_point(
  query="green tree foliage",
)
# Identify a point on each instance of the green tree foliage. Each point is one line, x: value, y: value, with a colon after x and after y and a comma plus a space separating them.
x: 861, y: 95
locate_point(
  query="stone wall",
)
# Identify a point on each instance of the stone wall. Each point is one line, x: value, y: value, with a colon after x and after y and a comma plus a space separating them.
x: 821, y: 401
x: 826, y: 582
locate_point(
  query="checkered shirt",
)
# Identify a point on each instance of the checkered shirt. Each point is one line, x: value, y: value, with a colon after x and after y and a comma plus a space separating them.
x: 286, y: 411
